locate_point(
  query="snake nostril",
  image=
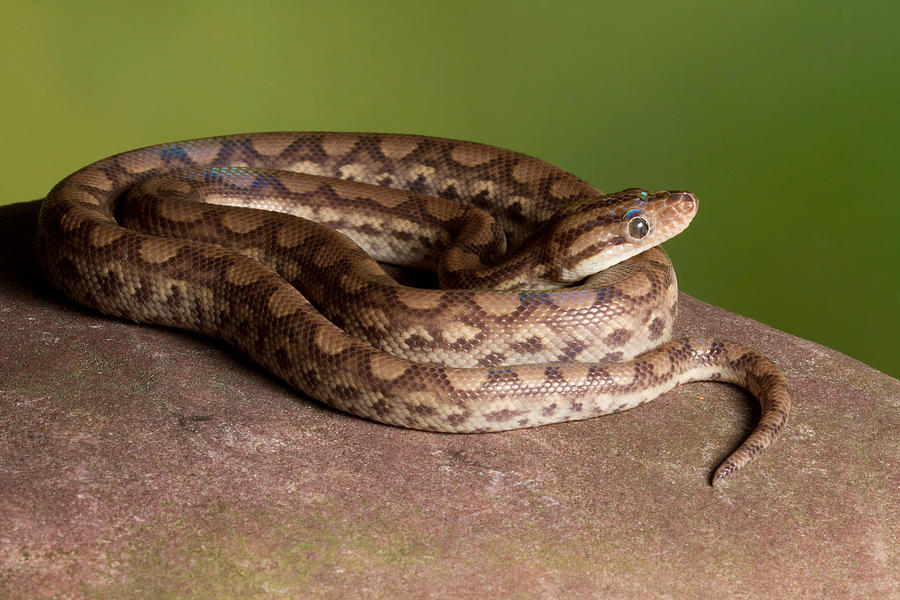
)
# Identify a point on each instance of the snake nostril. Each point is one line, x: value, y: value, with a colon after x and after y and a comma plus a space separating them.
x: 685, y: 202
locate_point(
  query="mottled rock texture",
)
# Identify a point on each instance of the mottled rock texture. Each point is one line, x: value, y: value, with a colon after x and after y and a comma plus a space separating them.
x: 141, y: 462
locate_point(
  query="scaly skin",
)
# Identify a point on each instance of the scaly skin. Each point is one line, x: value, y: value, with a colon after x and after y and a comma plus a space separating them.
x: 557, y: 230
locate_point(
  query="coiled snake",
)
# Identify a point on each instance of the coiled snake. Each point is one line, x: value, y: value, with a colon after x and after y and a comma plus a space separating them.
x: 558, y: 303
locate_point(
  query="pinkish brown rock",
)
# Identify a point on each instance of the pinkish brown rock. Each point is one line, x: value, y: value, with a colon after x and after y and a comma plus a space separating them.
x: 143, y: 462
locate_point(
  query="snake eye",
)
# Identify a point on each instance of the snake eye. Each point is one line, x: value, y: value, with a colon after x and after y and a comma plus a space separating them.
x: 638, y: 228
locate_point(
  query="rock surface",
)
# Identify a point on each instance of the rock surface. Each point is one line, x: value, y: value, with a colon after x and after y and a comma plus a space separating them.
x: 143, y: 462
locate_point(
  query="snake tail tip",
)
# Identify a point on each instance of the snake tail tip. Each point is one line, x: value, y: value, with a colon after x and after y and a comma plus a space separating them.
x: 722, y: 473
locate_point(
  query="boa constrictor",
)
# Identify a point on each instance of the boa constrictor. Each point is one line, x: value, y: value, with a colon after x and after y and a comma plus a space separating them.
x: 556, y: 304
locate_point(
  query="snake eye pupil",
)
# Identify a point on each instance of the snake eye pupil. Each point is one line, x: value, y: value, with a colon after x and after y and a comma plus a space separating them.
x: 638, y: 228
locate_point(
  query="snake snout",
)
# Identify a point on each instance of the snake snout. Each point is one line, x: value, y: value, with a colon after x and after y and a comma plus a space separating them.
x: 684, y: 203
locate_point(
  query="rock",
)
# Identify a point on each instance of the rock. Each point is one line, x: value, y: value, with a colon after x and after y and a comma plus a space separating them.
x: 139, y: 462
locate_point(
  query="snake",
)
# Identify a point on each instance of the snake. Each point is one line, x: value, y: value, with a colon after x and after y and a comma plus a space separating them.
x: 536, y: 298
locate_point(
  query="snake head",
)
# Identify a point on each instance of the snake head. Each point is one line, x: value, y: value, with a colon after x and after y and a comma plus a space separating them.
x: 592, y: 234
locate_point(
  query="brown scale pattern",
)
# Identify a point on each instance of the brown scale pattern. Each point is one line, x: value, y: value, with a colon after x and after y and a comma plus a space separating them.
x: 551, y: 342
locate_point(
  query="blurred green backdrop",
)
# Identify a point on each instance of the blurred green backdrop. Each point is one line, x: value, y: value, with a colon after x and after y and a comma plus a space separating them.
x: 781, y: 116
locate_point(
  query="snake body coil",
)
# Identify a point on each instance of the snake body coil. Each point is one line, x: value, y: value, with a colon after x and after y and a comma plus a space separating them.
x: 559, y: 304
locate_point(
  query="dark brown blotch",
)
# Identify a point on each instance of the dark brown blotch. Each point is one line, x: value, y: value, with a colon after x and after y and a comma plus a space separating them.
x: 618, y: 338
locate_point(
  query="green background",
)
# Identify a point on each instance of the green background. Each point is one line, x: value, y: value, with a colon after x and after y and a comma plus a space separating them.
x: 781, y: 116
